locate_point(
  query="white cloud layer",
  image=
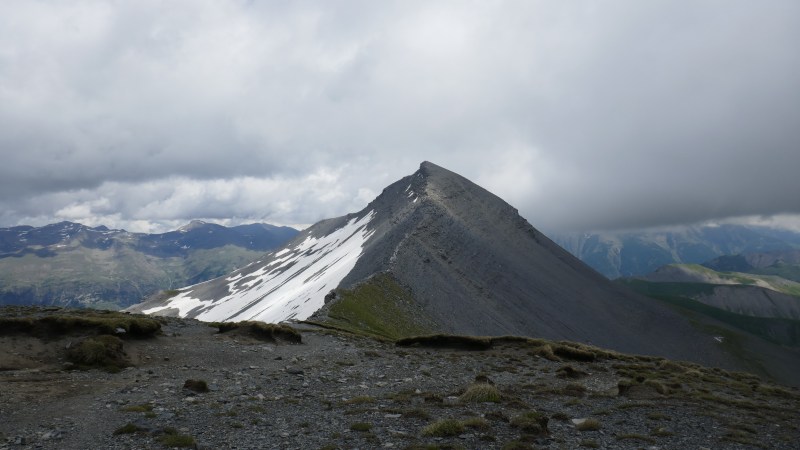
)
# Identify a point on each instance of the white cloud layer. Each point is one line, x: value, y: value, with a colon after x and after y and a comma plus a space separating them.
x: 582, y: 114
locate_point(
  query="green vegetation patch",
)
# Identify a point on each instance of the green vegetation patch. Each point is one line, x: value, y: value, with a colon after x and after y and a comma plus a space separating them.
x: 447, y: 341
x: 98, y: 352
x: 361, y: 426
x: 531, y: 422
x: 444, y: 428
x: 271, y: 332
x: 378, y: 307
x: 196, y: 385
x: 554, y: 351
x: 588, y: 425
x: 679, y: 296
x: 172, y: 439
x: 481, y: 392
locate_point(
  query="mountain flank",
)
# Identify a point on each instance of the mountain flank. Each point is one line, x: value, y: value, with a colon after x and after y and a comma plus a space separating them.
x: 436, y: 253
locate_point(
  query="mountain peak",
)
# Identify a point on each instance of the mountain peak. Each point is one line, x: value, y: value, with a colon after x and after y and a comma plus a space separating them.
x: 436, y: 253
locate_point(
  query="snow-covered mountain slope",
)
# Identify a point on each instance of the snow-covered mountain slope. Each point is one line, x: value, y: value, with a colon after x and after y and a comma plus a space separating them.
x: 290, y: 283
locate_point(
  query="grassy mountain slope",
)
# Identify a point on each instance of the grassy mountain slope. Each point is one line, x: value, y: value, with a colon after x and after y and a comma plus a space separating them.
x: 696, y: 273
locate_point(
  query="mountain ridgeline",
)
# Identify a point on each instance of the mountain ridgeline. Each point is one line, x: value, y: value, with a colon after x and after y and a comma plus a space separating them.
x: 69, y: 264
x: 436, y: 253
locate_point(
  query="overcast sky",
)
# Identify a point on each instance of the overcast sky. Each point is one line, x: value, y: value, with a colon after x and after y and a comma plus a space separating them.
x: 583, y: 114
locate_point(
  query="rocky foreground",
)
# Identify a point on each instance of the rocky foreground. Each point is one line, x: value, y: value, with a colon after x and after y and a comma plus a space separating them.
x: 190, y: 385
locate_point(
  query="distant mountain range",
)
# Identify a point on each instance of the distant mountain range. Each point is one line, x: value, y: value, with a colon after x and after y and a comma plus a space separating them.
x: 634, y: 253
x: 69, y: 264
x: 436, y: 253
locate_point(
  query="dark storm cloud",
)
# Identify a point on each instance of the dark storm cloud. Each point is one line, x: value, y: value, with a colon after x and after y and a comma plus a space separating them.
x: 582, y: 114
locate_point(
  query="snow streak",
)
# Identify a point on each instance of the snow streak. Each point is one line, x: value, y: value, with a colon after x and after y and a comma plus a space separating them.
x: 291, y: 285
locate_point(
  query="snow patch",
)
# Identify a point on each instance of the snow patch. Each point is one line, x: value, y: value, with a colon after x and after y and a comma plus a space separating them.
x: 292, y: 285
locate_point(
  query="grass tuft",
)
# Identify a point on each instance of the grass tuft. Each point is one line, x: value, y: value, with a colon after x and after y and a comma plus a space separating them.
x: 98, y: 352
x: 481, y: 392
x: 531, y: 422
x: 271, y: 332
x: 196, y: 385
x: 173, y: 440
x: 361, y: 426
x: 589, y: 425
x: 444, y: 428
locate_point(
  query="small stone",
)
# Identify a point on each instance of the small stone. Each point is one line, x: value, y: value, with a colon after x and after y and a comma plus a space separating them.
x: 294, y: 370
x: 392, y: 416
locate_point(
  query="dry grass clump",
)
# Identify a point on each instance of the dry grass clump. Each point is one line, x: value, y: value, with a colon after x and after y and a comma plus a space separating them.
x: 588, y: 425
x: 98, y: 352
x: 570, y: 372
x: 481, y: 392
x: 575, y: 352
x: 444, y: 428
x: 196, y: 385
x: 545, y: 351
x: 531, y: 422
x: 272, y: 332
x: 361, y: 426
x: 478, y: 423
x: 573, y: 390
x: 447, y: 341
x: 172, y: 439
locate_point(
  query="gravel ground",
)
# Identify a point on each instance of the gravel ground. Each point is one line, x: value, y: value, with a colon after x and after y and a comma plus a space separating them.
x: 339, y: 391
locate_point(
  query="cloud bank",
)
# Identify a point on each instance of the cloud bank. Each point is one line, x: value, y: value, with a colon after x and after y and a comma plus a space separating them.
x: 581, y: 114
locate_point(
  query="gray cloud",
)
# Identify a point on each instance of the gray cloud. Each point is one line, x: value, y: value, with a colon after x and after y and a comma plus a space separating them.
x: 583, y: 115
